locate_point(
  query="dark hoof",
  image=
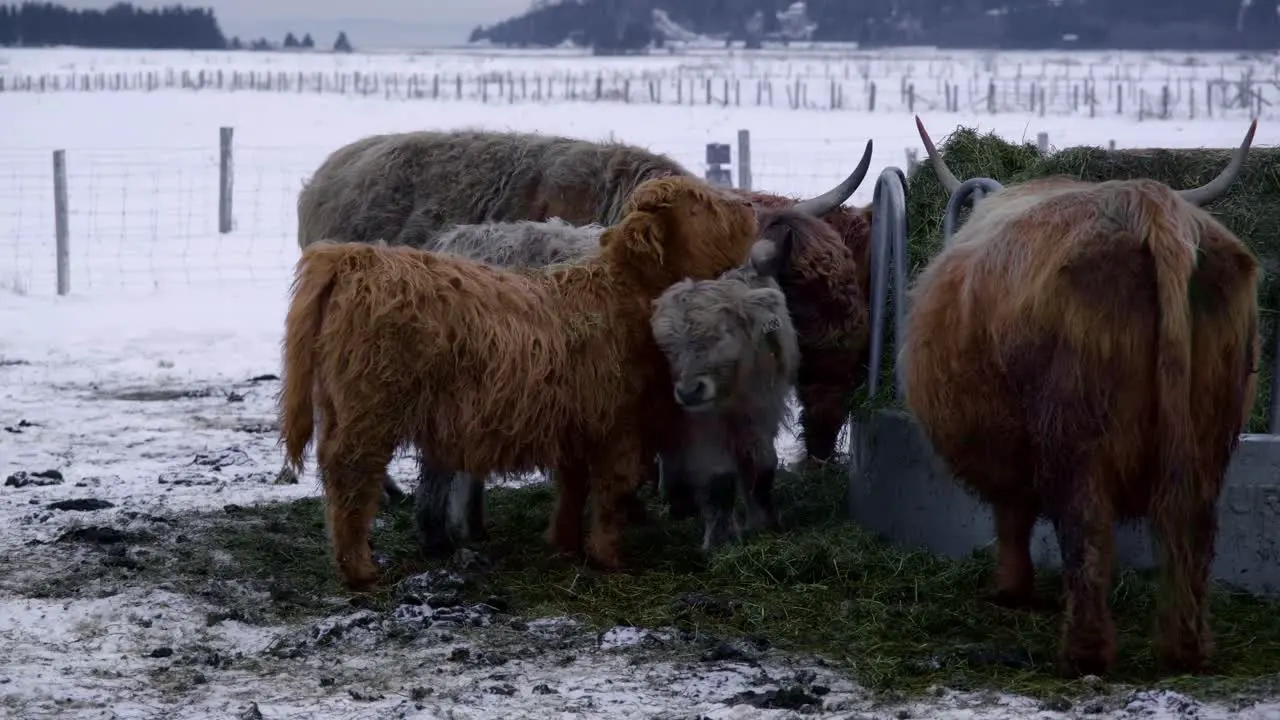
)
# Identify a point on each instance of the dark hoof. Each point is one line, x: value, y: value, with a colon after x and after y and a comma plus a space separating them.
x: 1078, y: 667
x: 1184, y: 660
x: 610, y: 563
x: 435, y: 547
x: 1096, y: 659
x: 361, y: 580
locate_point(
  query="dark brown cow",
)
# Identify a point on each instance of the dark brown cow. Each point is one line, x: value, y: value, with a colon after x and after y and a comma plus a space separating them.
x: 1087, y: 352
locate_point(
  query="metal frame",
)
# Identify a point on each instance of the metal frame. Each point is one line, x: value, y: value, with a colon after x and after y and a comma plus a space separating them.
x: 888, y: 247
x: 976, y: 188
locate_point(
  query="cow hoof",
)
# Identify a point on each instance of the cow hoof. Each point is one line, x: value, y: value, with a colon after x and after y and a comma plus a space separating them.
x: 1189, y: 659
x: 359, y: 579
x: 606, y: 562
x: 1078, y: 662
x: 435, y: 547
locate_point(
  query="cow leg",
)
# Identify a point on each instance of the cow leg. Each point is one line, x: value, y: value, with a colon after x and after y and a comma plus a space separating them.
x: 716, y: 495
x: 474, y: 507
x: 637, y: 513
x: 565, y: 532
x: 1085, y: 529
x: 448, y: 510
x: 1015, y: 576
x: 353, y: 467
x: 758, y: 471
x: 394, y: 494
x: 1186, y: 529
x: 822, y: 417
x: 616, y: 476
x: 431, y: 509
x: 677, y: 488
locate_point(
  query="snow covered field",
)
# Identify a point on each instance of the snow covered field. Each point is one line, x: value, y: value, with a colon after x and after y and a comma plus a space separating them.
x: 149, y: 390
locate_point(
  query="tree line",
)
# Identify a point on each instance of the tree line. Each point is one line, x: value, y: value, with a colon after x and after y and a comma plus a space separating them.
x: 122, y: 25
x: 975, y: 24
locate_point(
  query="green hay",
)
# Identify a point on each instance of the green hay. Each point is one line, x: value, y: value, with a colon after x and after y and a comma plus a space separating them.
x: 897, y: 621
x: 1251, y: 210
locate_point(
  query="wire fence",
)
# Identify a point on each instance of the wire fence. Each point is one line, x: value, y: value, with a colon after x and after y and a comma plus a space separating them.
x: 86, y: 222
x: 1191, y: 95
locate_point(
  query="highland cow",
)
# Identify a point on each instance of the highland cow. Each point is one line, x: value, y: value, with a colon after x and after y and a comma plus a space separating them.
x: 733, y: 355
x: 1087, y: 352
x: 713, y: 325
x: 407, y: 188
x: 488, y: 370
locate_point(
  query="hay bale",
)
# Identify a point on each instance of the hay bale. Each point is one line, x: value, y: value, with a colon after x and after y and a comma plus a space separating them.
x: 1251, y: 210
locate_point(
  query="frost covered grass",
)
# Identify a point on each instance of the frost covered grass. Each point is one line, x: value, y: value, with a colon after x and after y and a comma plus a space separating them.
x: 896, y: 621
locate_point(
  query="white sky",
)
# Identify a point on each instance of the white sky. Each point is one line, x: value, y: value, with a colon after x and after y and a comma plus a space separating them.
x: 369, y: 23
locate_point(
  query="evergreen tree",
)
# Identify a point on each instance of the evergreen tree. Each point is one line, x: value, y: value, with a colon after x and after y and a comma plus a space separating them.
x: 119, y: 26
x: 290, y: 41
x: 307, y: 42
x: 342, y: 44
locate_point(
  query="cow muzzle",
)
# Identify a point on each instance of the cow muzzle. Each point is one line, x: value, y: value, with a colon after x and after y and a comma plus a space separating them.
x: 695, y: 394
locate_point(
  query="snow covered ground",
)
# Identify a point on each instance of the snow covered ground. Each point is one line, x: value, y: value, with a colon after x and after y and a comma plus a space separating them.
x: 149, y: 392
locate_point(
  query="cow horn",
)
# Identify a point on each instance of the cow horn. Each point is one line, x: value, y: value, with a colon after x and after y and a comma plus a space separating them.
x: 945, y: 176
x: 835, y: 197
x: 1218, y: 186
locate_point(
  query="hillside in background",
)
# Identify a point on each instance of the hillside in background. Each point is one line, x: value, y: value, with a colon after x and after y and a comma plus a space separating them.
x: 634, y: 25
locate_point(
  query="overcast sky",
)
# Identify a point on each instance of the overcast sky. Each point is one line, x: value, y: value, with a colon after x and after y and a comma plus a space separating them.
x: 369, y: 23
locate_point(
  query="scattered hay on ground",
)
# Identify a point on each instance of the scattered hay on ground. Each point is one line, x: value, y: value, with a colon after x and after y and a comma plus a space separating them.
x: 1251, y: 210
x: 897, y: 621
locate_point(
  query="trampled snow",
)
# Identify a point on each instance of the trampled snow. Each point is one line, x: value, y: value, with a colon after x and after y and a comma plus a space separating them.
x: 160, y: 359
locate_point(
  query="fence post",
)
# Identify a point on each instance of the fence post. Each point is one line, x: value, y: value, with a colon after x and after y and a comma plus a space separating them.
x: 744, y: 159
x: 1042, y: 142
x: 225, y: 176
x: 60, y: 229
x: 913, y: 159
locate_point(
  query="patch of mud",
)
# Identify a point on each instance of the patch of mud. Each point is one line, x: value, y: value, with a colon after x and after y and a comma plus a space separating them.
x: 155, y: 394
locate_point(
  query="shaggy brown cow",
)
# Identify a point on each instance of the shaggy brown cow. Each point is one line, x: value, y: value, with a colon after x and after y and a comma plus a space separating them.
x: 406, y: 188
x: 490, y: 370
x: 1086, y: 352
x: 828, y: 289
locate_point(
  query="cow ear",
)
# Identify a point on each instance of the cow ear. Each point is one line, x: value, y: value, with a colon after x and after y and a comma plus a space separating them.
x: 653, y: 195
x: 770, y: 257
x: 639, y: 234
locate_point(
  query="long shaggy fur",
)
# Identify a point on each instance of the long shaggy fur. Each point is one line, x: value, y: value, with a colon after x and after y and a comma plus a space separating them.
x: 734, y: 356
x: 717, y: 321
x: 526, y: 243
x: 1086, y: 352
x: 405, y: 188
x: 408, y: 188
x: 828, y: 289
x: 490, y: 370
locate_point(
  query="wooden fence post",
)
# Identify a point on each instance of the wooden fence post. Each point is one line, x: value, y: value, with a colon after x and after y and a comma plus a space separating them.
x: 225, y: 176
x: 744, y: 159
x: 60, y: 229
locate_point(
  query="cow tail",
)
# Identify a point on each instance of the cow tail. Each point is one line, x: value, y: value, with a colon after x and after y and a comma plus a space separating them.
x: 313, y: 282
x: 1175, y: 261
